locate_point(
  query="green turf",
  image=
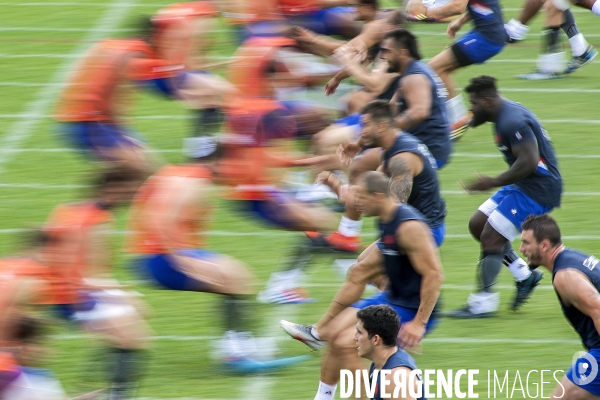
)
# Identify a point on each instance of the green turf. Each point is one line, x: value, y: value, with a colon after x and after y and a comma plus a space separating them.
x: 178, y: 369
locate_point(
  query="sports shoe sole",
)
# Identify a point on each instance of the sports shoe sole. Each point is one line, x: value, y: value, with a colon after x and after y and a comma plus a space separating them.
x: 249, y: 366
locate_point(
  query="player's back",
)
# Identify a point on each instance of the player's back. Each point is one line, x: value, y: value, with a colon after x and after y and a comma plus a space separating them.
x: 487, y: 18
x: 171, y: 211
x: 182, y: 31
x: 77, y: 247
x: 96, y: 89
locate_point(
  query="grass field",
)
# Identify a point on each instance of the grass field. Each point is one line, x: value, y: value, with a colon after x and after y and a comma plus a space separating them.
x: 38, y: 44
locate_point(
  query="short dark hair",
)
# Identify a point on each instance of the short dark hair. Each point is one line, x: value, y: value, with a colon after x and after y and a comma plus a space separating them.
x: 373, y: 3
x: 117, y: 174
x: 379, y: 110
x: 483, y: 86
x: 376, y: 182
x: 26, y: 329
x: 397, y: 18
x: 382, y: 321
x: 403, y: 39
x: 543, y: 227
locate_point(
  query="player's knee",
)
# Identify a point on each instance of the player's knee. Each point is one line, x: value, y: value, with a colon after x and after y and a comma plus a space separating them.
x: 491, y: 240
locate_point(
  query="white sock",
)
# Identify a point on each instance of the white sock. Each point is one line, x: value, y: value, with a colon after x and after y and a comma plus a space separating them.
x: 291, y: 279
x: 457, y: 109
x: 349, y: 227
x: 313, y: 331
x: 596, y: 8
x: 325, y: 391
x: 233, y: 345
x: 578, y: 45
x: 519, y: 269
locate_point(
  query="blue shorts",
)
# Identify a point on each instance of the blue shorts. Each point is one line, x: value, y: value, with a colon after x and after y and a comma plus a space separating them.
x: 160, y: 269
x: 582, y: 368
x: 405, y: 314
x: 474, y: 48
x: 327, y: 21
x: 95, y: 137
x: 259, y: 29
x: 515, y: 205
x: 67, y: 311
x: 168, y: 86
x: 272, y: 210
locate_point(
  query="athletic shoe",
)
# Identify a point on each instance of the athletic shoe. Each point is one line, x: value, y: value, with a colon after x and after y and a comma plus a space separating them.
x: 466, y: 313
x: 540, y: 76
x: 516, y: 31
x: 578, y: 62
x: 302, y: 333
x: 247, y: 365
x: 286, y: 296
x: 460, y: 128
x: 420, y: 18
x: 525, y: 288
x: 336, y: 241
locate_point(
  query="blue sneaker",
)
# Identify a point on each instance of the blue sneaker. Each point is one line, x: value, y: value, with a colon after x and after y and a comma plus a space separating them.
x: 578, y: 62
x: 247, y: 365
x: 525, y: 288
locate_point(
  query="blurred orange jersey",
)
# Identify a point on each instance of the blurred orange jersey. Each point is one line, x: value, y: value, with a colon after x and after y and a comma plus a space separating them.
x: 180, y: 30
x: 11, y: 269
x: 242, y: 12
x: 74, y: 246
x: 252, y: 63
x: 162, y: 218
x: 255, y: 124
x: 99, y: 88
x: 298, y: 6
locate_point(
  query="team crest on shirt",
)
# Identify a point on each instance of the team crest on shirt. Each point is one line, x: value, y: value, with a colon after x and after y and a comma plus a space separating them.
x: 389, y: 239
x: 590, y: 262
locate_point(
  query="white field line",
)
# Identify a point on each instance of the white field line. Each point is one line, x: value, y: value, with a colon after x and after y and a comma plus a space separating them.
x: 506, y: 90
x: 155, y: 117
x: 276, y: 234
x: 21, y: 130
x: 82, y: 4
x: 459, y: 155
x: 457, y: 340
x: 43, y: 186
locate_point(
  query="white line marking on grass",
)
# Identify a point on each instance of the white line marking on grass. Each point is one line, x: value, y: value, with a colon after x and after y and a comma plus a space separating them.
x: 21, y: 130
x: 277, y: 234
x: 458, y: 340
x: 457, y: 155
x: 52, y: 29
x: 43, y: 186
x: 82, y: 4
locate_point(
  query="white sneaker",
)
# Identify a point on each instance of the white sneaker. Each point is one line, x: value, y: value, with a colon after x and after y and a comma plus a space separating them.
x: 302, y: 333
x: 516, y: 31
x: 480, y: 303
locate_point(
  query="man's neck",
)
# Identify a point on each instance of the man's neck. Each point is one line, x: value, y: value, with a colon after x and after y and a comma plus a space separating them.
x: 388, y: 211
x: 381, y: 357
x: 552, y: 257
x: 389, y: 138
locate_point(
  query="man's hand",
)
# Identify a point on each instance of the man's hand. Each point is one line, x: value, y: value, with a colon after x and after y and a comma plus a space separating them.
x: 482, y: 184
x: 453, y: 27
x: 347, y: 152
x: 302, y: 35
x: 348, y: 55
x: 411, y: 334
x: 416, y: 8
x: 331, y: 86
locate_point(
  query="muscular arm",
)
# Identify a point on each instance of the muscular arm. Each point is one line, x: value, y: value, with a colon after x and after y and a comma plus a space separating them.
x: 454, y: 7
x: 376, y: 82
x: 359, y: 276
x: 415, y: 238
x: 575, y: 289
x: 417, y: 93
x: 402, y: 168
x: 527, y: 155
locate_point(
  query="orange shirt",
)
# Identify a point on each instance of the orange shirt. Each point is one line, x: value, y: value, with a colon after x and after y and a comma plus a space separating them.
x: 298, y: 6
x: 179, y: 31
x: 252, y: 59
x: 69, y: 253
x: 154, y: 200
x: 242, y: 12
x: 99, y: 86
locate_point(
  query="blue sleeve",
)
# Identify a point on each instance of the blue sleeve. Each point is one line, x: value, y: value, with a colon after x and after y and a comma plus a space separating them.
x: 518, y: 135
